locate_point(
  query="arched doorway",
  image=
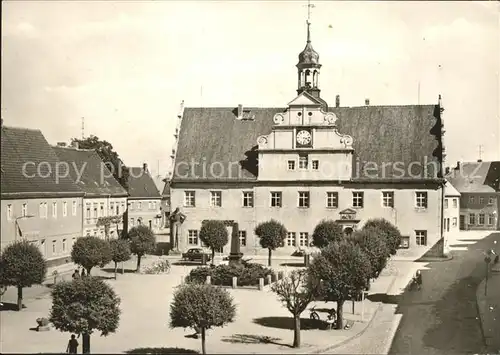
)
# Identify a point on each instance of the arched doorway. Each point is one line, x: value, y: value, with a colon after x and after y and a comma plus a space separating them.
x: 348, y: 231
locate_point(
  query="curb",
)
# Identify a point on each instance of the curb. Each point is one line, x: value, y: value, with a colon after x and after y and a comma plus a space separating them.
x: 361, y: 332
x: 478, y: 308
x: 437, y: 259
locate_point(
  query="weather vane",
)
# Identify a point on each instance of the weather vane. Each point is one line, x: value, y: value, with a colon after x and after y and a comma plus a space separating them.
x: 309, y: 7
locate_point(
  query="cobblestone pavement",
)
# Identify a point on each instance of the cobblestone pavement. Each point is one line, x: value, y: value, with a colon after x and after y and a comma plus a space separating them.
x: 489, y: 309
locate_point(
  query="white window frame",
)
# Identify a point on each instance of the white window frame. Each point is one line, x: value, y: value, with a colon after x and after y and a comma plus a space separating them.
x: 303, y: 161
x: 193, y: 236
x: 88, y: 211
x: 290, y: 164
x: 9, y: 212
x: 96, y: 210
x: 189, y: 198
x: 54, y: 209
x: 41, y: 210
x: 421, y: 237
x: 101, y: 209
x: 54, y: 247
x: 332, y: 199
x: 74, y: 208
x: 358, y: 199
x: 481, y: 200
x: 276, y: 199
x: 304, y: 199
x: 216, y: 198
x: 64, y: 245
x: 303, y: 239
x: 455, y: 202
x: 242, y: 236
x: 445, y: 203
x: 490, y: 200
x: 247, y: 199
x: 481, y: 221
x: 491, y: 219
x: 139, y: 205
x: 388, y: 199
x: 24, y: 210
x: 315, y: 164
x: 471, y: 199
x: 472, y: 217
x: 454, y: 222
x: 421, y: 199
x: 291, y: 239
x: 65, y: 209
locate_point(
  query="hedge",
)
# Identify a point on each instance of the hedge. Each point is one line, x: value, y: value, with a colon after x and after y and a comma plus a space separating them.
x: 248, y: 275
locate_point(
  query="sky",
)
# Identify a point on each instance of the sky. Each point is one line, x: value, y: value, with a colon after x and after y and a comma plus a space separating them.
x: 126, y: 65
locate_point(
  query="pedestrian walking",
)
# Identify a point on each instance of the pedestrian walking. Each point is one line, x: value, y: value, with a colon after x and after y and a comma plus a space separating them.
x: 418, y: 279
x: 72, y: 347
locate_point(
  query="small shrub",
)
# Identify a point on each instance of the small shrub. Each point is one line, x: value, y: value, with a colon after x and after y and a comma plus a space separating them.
x: 252, y: 273
x: 199, y: 275
x: 248, y: 274
x: 223, y: 274
x: 42, y: 322
x: 158, y: 267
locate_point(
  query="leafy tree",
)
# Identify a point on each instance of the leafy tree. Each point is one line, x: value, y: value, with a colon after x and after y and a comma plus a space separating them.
x: 108, y: 155
x: 202, y: 307
x: 325, y: 232
x: 375, y: 248
x: 386, y: 230
x: 142, y: 241
x: 84, y: 305
x: 120, y: 251
x: 91, y: 251
x: 344, y: 269
x: 106, y: 223
x: 296, y: 291
x: 22, y: 265
x: 272, y: 235
x: 214, y: 234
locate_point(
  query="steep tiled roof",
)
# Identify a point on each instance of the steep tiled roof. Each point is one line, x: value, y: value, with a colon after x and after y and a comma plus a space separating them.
x: 28, y: 149
x: 450, y: 190
x: 141, y: 184
x: 213, y: 144
x: 89, y: 172
x: 476, y: 177
x: 166, y: 188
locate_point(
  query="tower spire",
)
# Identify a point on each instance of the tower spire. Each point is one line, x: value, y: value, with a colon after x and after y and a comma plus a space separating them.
x: 308, y: 32
x: 309, y: 7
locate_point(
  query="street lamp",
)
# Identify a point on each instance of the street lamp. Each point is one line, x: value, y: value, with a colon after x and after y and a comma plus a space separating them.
x: 487, y: 261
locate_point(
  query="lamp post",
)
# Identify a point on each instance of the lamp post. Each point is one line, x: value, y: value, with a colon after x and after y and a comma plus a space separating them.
x: 487, y: 261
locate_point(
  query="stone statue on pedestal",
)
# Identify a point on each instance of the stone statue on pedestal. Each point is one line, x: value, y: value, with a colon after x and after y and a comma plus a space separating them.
x: 176, y: 220
x: 235, y: 255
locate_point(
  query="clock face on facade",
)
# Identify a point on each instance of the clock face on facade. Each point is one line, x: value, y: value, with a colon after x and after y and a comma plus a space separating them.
x: 304, y: 137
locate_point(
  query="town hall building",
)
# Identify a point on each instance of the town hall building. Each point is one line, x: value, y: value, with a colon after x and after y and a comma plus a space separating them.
x: 307, y: 162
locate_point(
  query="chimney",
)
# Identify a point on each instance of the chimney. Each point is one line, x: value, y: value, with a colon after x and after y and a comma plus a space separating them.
x: 145, y: 167
x: 479, y: 160
x: 240, y: 111
x: 61, y: 144
x: 367, y: 102
x: 337, y: 101
x: 458, y: 166
x: 75, y: 144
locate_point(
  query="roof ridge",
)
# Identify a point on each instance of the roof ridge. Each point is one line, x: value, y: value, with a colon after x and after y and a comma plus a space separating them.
x: 75, y: 148
x: 22, y: 128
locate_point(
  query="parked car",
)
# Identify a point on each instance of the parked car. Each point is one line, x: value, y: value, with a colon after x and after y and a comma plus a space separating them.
x: 196, y: 254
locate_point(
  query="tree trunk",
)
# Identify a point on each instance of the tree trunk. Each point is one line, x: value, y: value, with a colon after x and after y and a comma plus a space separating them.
x: 203, y: 349
x: 213, y: 256
x: 88, y: 271
x: 269, y: 257
x: 19, y: 298
x: 85, y: 343
x: 116, y: 267
x: 296, y: 331
x: 138, y: 262
x: 340, y: 314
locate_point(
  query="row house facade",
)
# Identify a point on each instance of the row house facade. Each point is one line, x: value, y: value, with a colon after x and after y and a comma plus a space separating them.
x: 37, y: 204
x: 144, y: 200
x: 451, y: 213
x: 479, y: 187
x: 104, y: 196
x: 307, y: 162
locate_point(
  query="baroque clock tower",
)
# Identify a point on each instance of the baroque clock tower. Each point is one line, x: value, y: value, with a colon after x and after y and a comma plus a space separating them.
x: 304, y: 143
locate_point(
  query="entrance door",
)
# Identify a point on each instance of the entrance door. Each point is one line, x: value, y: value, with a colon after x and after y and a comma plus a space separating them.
x: 462, y: 222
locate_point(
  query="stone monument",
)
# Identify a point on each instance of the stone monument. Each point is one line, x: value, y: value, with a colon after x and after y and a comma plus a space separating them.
x: 235, y: 255
x: 176, y: 220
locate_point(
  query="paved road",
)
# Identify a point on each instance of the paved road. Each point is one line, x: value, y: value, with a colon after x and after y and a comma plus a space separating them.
x: 442, y: 318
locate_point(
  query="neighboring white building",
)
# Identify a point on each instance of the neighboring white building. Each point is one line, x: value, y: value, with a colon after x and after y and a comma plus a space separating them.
x: 104, y: 196
x: 451, y: 214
